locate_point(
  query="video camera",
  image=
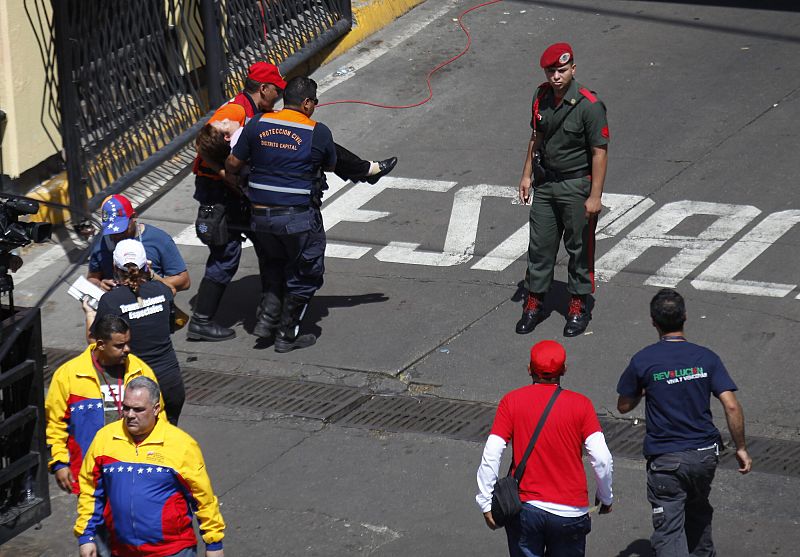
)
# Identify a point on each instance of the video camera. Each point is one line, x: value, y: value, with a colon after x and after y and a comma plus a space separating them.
x: 15, y: 234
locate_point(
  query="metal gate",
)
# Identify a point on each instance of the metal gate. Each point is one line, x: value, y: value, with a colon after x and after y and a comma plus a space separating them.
x: 137, y: 77
x: 24, y: 498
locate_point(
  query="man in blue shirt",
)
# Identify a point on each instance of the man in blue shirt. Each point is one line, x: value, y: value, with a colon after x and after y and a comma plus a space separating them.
x: 119, y: 222
x: 677, y: 379
x: 287, y: 152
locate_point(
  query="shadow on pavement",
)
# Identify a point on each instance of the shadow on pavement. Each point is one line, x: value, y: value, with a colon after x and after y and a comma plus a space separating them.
x: 556, y: 300
x: 242, y: 297
x: 637, y: 548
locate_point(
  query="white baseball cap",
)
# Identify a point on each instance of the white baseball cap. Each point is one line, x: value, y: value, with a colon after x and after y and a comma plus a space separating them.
x: 130, y: 251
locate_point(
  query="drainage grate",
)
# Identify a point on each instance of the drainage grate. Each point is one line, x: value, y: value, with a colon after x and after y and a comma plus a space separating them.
x: 623, y: 437
x: 469, y: 421
x: 298, y: 398
x: 773, y: 456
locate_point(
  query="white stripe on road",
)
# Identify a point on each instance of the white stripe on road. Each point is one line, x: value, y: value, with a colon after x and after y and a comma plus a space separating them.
x: 32, y: 265
x: 375, y: 52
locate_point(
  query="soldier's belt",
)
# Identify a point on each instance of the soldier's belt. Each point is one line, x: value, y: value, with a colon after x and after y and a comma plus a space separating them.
x: 556, y: 176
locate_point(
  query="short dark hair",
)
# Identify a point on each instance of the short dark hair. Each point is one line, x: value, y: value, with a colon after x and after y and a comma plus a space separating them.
x: 299, y: 89
x: 668, y: 310
x: 251, y: 85
x: 109, y: 325
x: 212, y: 145
x: 143, y: 382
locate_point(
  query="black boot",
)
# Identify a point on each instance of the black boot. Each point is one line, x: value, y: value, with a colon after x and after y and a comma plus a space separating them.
x: 201, y: 326
x: 531, y: 313
x: 269, y: 313
x: 578, y: 317
x: 288, y: 337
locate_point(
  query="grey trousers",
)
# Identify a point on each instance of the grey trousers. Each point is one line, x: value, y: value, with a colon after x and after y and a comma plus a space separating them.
x: 678, y: 486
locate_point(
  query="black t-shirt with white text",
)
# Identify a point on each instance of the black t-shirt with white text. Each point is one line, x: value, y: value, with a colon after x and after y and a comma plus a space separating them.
x: 149, y: 321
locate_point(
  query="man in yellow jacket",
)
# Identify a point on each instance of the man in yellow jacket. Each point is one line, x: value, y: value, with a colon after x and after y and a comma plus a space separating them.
x: 85, y: 394
x: 145, y: 479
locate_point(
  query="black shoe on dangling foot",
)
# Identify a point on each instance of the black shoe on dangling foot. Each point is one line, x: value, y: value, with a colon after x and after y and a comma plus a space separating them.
x: 288, y: 337
x: 578, y: 317
x: 203, y: 328
x: 384, y: 167
x: 531, y: 314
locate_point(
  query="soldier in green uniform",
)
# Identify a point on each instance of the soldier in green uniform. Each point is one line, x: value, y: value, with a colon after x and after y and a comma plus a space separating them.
x: 566, y: 165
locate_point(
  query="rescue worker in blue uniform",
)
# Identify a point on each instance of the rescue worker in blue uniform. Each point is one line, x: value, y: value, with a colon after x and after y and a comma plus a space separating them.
x: 287, y: 152
x: 263, y: 87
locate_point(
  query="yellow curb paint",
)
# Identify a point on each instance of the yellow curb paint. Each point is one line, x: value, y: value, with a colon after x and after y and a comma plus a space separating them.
x: 368, y: 19
x: 54, y: 190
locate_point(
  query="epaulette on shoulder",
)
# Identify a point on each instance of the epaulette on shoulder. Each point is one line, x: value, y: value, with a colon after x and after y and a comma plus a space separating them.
x: 592, y: 98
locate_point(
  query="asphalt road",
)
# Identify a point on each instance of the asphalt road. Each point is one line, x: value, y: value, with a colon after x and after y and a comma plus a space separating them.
x: 421, y: 290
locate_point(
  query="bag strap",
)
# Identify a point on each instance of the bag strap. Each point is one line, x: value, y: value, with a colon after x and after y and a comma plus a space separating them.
x: 521, y: 467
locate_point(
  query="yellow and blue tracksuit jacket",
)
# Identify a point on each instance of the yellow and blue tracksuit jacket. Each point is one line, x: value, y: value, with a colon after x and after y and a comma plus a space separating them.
x: 148, y: 493
x: 74, y: 408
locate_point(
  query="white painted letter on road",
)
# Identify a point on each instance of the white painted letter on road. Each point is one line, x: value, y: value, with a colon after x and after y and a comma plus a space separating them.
x: 692, y: 250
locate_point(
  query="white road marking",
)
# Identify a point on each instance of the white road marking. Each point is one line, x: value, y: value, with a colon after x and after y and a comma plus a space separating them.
x: 693, y: 250
x: 33, y: 265
x: 624, y: 209
x: 375, y: 52
x: 347, y: 207
x: 720, y: 276
x: 459, y: 245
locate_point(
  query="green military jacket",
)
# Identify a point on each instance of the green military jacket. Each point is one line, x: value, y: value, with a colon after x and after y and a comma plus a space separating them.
x: 569, y: 148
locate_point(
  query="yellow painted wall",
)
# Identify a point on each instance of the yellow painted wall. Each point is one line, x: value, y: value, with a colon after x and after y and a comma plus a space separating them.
x: 22, y: 79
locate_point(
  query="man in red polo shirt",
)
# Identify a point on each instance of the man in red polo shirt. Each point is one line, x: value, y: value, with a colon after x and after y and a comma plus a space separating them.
x: 554, y: 520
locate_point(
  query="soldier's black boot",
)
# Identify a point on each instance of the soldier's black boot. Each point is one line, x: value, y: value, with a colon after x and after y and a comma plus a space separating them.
x: 288, y: 337
x: 202, y: 326
x: 531, y: 313
x: 578, y: 316
x: 269, y: 313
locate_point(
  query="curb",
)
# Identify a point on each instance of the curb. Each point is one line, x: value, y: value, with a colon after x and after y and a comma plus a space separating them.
x: 54, y: 190
x: 369, y: 16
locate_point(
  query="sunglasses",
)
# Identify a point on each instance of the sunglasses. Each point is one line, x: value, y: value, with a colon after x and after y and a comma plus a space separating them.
x: 314, y: 100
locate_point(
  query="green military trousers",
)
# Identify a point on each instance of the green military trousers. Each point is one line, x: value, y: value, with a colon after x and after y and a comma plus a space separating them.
x: 558, y: 210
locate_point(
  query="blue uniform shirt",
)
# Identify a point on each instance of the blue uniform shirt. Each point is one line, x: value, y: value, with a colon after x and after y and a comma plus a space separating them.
x: 286, y: 150
x: 679, y: 379
x: 159, y: 247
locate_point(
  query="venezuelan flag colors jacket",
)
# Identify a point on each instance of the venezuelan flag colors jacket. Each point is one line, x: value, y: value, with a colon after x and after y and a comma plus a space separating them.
x: 148, y: 493
x: 74, y: 408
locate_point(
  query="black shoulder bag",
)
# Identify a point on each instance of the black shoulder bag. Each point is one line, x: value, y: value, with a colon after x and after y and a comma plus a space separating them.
x: 505, y: 498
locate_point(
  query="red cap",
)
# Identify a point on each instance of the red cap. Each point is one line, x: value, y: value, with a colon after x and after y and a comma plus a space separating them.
x: 547, y: 359
x: 556, y: 55
x: 264, y: 72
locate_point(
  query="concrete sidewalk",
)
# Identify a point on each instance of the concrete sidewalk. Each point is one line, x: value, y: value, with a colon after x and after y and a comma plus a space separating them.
x: 299, y: 487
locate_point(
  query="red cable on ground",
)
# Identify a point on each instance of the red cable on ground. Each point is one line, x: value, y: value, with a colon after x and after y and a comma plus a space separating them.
x: 430, y: 73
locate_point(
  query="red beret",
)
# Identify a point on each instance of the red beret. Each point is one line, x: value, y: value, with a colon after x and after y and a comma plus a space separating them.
x: 264, y: 72
x: 556, y: 55
x: 547, y: 359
